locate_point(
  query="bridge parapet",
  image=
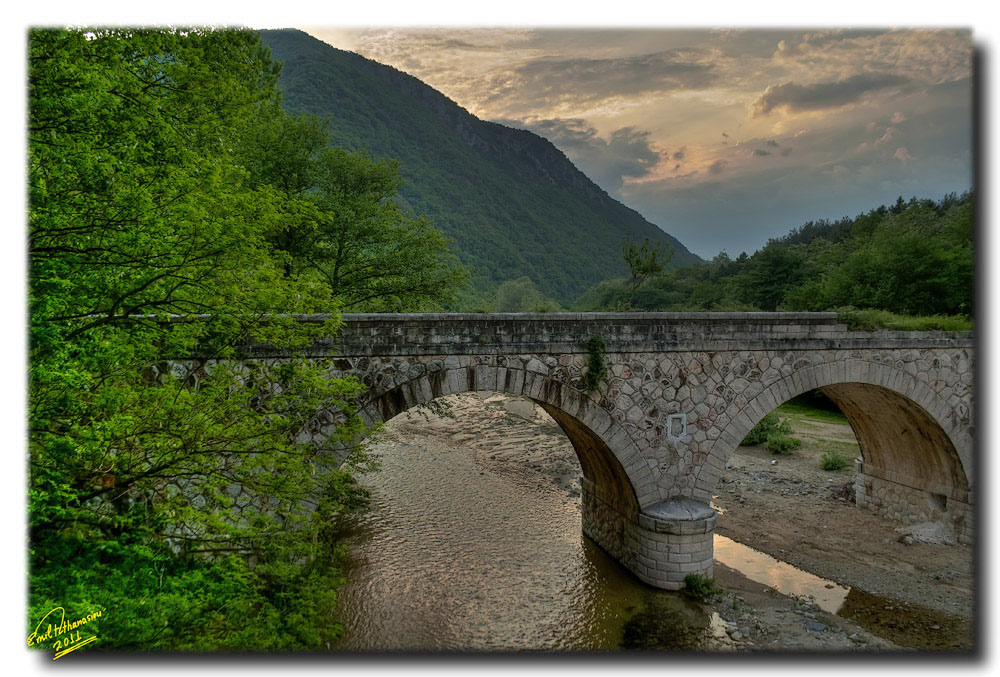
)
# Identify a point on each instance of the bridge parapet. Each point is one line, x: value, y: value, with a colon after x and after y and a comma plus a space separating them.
x: 392, y: 335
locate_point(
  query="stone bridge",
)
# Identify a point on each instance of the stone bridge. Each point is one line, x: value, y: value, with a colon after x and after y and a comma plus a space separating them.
x: 679, y: 393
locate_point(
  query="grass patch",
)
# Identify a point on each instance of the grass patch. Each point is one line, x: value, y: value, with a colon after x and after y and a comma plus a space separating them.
x: 812, y: 413
x: 838, y: 445
x: 700, y: 587
x: 833, y: 461
x: 870, y: 320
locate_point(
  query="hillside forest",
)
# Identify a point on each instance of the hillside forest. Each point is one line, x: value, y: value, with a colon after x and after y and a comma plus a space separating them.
x: 911, y: 258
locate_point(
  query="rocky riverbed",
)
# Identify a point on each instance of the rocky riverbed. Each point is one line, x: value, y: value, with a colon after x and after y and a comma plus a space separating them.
x: 905, y: 594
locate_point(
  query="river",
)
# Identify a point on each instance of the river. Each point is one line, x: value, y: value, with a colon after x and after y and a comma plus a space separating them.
x: 452, y: 556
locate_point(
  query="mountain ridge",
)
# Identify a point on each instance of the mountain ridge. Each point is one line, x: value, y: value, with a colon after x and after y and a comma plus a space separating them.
x: 512, y: 202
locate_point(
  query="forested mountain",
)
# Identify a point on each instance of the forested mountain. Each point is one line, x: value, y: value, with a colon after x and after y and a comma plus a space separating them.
x: 512, y: 202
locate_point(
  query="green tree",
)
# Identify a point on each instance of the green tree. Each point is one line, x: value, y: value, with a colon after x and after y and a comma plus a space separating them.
x: 914, y: 262
x: 341, y: 224
x: 645, y: 262
x: 138, y: 470
x: 914, y: 258
x: 771, y: 273
x: 523, y: 296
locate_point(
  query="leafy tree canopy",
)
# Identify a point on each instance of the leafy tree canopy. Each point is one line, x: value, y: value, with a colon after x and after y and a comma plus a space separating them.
x: 181, y: 502
x: 342, y: 224
x: 523, y: 296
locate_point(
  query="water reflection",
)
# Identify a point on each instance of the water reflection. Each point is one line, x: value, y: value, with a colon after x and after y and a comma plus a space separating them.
x: 779, y: 575
x: 907, y: 625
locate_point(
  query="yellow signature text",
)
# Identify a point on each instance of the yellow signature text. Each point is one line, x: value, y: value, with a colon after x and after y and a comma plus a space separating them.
x: 65, y: 636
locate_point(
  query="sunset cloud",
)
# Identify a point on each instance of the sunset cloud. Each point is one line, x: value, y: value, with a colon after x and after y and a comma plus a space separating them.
x: 903, y: 155
x: 823, y: 95
x: 585, y: 79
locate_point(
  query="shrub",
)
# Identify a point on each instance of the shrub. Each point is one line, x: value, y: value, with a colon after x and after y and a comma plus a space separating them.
x: 700, y: 586
x: 782, y: 444
x: 769, y: 425
x: 832, y: 460
x: 869, y: 319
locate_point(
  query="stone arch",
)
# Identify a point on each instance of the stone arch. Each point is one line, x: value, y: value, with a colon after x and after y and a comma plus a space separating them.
x: 929, y: 448
x: 608, y: 456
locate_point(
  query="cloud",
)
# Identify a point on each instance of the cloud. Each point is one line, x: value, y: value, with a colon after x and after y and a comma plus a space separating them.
x: 897, y: 117
x: 903, y: 155
x: 625, y: 153
x: 581, y: 80
x: 760, y: 153
x: 717, y: 167
x: 927, y: 56
x: 890, y: 134
x: 823, y: 95
x: 772, y: 143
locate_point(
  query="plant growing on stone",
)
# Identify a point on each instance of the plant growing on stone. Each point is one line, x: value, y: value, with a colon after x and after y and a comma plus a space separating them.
x: 771, y: 424
x: 595, y: 363
x: 833, y: 460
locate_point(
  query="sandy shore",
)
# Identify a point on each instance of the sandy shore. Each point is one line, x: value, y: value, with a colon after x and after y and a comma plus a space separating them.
x: 911, y: 595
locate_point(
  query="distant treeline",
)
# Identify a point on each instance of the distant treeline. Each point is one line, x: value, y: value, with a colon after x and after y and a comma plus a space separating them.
x: 910, y: 258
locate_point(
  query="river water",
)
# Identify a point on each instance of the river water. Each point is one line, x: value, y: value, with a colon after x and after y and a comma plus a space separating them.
x: 452, y: 556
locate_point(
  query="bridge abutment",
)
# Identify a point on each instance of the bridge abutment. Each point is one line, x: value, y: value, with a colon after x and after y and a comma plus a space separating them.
x: 896, y: 496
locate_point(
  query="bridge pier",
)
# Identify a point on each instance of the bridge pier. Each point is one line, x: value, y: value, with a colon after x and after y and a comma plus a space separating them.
x: 661, y: 544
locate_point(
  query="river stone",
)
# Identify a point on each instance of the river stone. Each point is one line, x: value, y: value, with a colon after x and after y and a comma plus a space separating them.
x: 816, y: 626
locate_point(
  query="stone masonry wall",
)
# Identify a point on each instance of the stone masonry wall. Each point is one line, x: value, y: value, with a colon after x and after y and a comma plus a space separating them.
x: 685, y: 410
x: 910, y: 505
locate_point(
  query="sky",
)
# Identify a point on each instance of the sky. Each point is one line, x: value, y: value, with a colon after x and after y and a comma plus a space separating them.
x: 725, y: 137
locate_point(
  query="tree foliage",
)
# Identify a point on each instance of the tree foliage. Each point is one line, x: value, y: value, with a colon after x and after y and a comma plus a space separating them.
x: 522, y: 296
x: 913, y: 258
x: 645, y: 262
x: 183, y: 502
x: 342, y: 224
